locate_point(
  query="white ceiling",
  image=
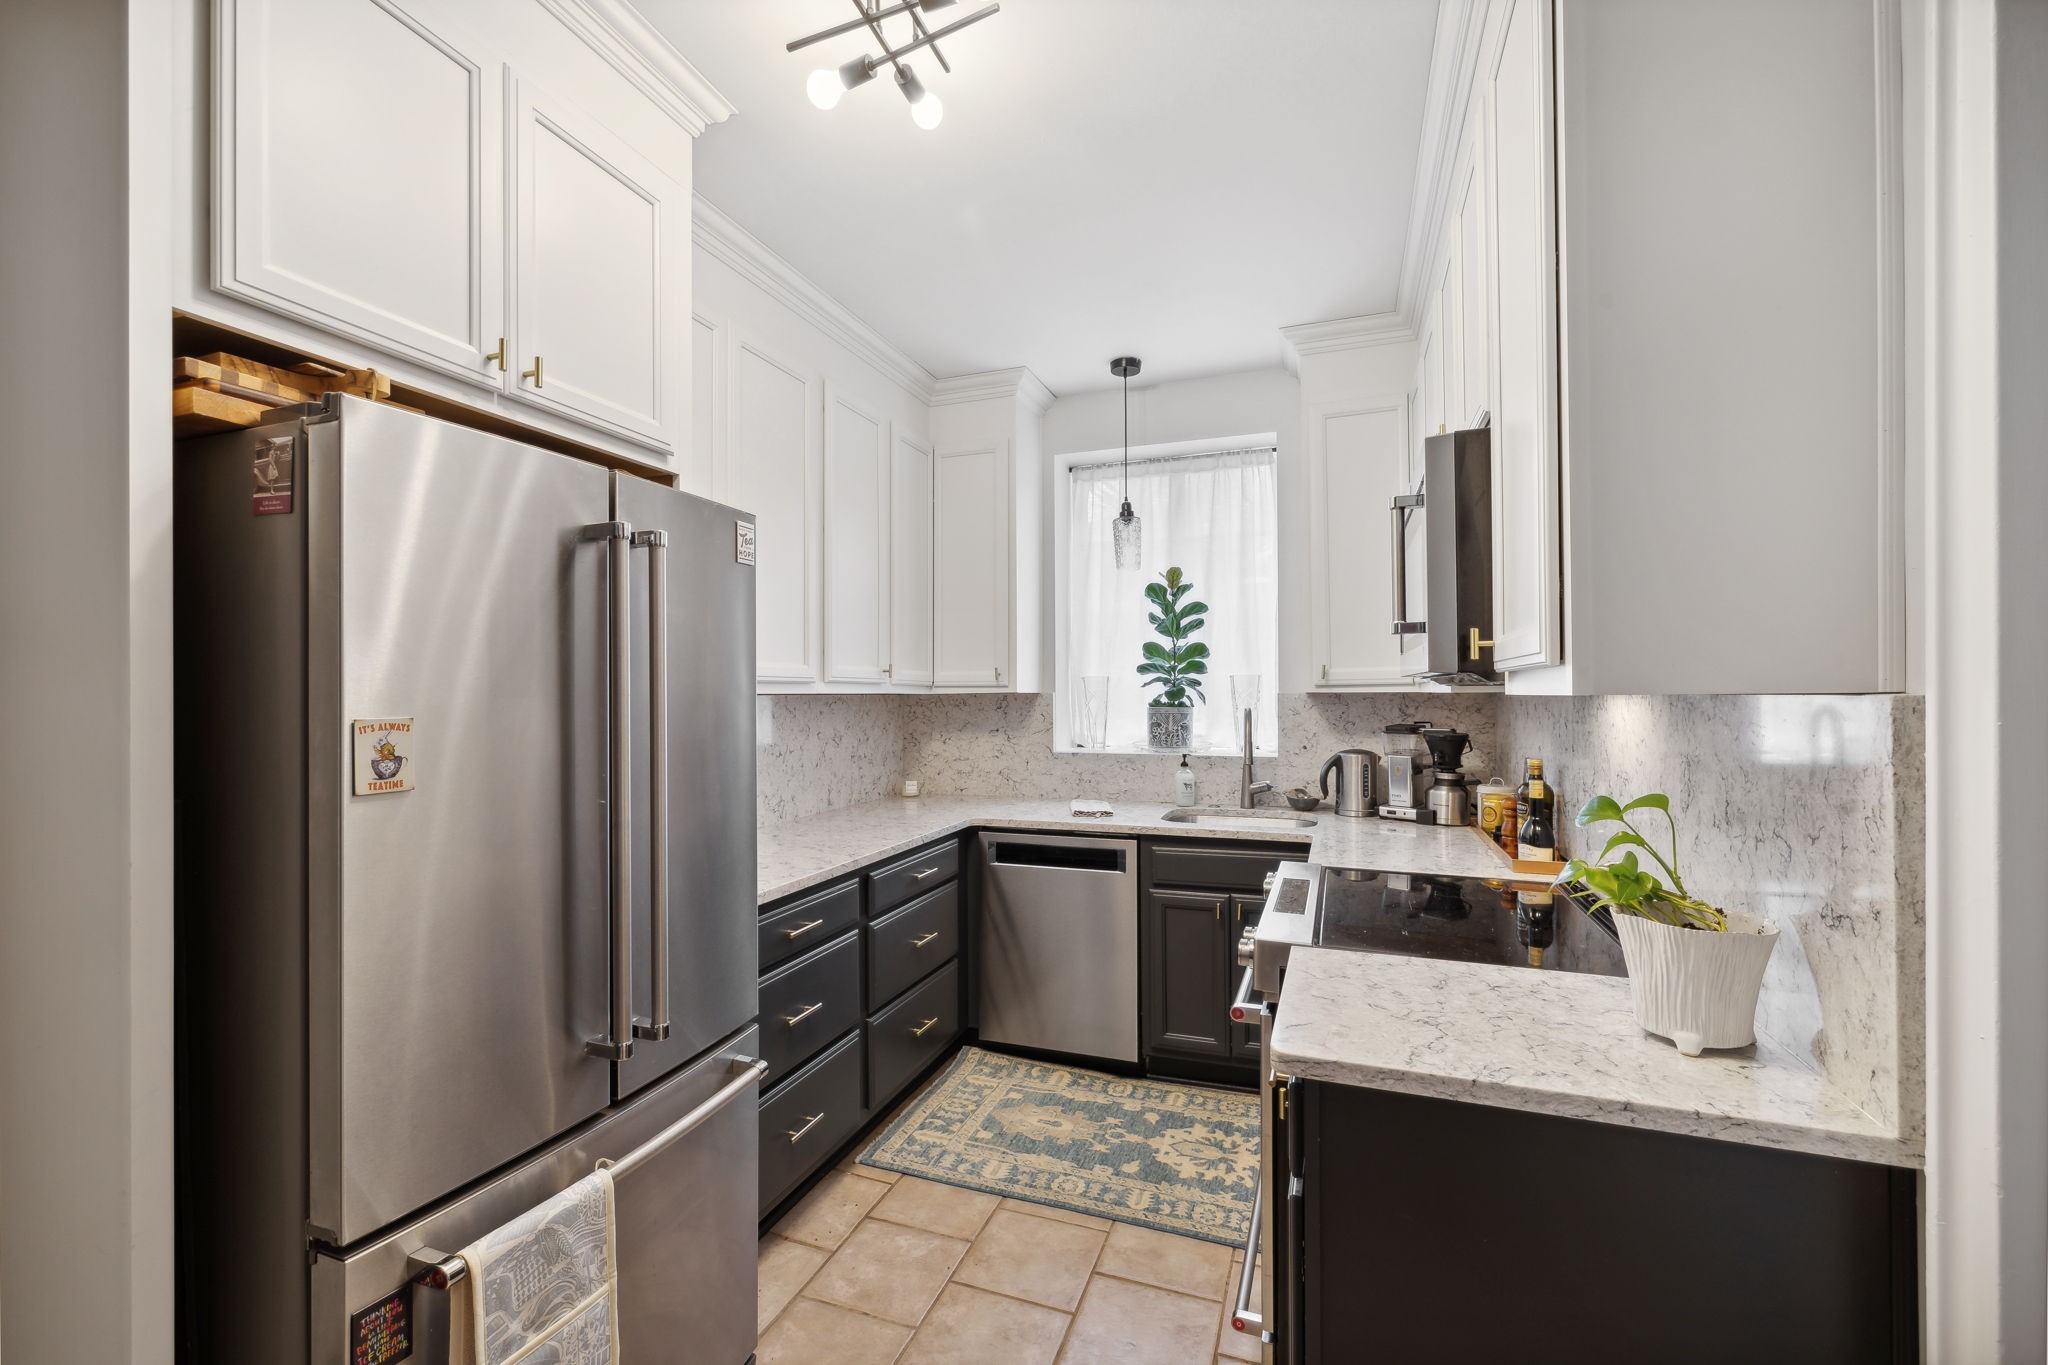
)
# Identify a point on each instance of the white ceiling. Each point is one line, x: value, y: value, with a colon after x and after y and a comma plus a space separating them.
x: 1174, y: 179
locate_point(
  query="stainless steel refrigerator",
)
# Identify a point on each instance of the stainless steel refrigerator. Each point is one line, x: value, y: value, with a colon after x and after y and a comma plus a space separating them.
x: 466, y: 866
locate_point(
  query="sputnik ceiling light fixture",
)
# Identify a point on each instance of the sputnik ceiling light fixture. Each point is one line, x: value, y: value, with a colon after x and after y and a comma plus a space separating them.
x: 826, y: 85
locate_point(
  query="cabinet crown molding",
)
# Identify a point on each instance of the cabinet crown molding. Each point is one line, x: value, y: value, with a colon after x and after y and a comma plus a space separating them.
x: 637, y: 50
x: 714, y: 230
x: 1342, y: 334
x: 1018, y: 383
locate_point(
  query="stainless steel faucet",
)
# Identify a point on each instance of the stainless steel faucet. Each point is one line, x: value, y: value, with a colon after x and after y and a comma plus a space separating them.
x: 1248, y: 790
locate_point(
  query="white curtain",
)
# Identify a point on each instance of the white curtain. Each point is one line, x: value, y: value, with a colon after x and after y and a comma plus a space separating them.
x: 1214, y: 516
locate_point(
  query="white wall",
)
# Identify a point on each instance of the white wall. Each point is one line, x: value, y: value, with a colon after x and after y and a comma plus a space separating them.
x: 85, y: 808
x: 1190, y: 410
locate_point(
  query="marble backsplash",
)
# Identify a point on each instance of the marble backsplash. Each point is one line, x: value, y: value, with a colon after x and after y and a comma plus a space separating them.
x: 1002, y: 745
x: 1805, y: 809
x: 817, y: 753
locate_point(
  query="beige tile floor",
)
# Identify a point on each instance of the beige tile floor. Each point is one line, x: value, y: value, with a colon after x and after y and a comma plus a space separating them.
x: 873, y: 1268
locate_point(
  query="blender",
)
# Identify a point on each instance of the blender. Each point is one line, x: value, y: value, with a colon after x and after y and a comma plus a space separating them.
x: 1449, y: 802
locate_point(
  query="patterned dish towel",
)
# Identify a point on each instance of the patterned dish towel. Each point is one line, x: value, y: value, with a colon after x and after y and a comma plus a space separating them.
x: 544, y: 1288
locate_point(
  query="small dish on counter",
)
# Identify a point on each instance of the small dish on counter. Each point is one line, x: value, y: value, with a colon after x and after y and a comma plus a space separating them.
x: 1301, y: 798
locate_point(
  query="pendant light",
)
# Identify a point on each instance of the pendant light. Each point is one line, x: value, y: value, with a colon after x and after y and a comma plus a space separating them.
x: 1127, y: 530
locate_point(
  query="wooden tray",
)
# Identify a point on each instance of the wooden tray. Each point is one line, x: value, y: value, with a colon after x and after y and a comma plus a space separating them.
x: 200, y: 411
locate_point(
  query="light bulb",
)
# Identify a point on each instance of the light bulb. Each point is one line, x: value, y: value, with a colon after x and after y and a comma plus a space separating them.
x: 824, y: 87
x: 927, y: 112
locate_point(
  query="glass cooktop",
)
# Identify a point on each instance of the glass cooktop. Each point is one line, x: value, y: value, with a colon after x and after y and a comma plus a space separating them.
x: 1461, y: 919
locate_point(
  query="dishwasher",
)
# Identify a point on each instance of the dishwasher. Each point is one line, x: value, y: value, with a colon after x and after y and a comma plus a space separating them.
x: 1059, y: 944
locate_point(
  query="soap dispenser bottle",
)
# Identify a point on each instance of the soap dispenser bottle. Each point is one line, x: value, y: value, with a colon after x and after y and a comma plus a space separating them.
x: 1184, y: 784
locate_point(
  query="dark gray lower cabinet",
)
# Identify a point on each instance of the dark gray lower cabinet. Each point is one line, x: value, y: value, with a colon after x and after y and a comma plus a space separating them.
x: 805, y: 1119
x: 1436, y: 1231
x: 1198, y: 899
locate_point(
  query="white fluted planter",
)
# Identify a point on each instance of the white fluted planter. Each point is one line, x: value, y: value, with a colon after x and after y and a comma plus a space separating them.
x: 1693, y: 986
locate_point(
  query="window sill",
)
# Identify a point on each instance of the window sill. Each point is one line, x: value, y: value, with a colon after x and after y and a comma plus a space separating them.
x: 1140, y: 750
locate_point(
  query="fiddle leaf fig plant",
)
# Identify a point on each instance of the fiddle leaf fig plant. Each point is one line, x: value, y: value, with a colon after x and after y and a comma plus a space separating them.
x: 1177, y: 666
x: 1623, y: 884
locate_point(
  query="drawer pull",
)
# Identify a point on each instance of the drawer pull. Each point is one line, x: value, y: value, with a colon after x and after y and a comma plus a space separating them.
x: 806, y: 1012
x: 923, y: 939
x: 920, y: 876
x: 804, y: 928
x: 810, y: 1121
x: 926, y: 1027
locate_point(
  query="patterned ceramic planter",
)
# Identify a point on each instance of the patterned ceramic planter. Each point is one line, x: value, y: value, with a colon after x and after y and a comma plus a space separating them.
x: 1695, y: 987
x: 1170, y: 727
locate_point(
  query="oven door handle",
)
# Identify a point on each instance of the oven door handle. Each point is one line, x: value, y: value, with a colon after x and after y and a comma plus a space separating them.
x: 1242, y: 1318
x: 1242, y: 1010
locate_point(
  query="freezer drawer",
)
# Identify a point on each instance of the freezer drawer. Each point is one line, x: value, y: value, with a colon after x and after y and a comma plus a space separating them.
x: 686, y: 1228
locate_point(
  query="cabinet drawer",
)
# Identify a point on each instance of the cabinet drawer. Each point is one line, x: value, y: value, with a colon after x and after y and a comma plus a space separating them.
x: 804, y: 1121
x: 905, y: 1037
x: 905, y: 945
x: 809, y: 1003
x: 889, y: 887
x: 1230, y: 869
x: 815, y: 919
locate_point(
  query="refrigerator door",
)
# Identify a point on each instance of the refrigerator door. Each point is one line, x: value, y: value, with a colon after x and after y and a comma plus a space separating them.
x: 702, y: 647
x: 457, y: 926
x: 685, y: 1231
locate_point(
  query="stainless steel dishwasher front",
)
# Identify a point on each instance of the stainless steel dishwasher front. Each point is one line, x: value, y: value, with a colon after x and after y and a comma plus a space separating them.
x: 1059, y: 944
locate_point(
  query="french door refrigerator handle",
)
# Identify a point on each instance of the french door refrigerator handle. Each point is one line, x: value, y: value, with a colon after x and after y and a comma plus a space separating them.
x: 657, y: 1025
x: 617, y: 1043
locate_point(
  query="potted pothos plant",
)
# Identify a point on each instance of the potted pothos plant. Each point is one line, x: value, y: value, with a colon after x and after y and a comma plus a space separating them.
x: 1177, y: 666
x: 1694, y: 969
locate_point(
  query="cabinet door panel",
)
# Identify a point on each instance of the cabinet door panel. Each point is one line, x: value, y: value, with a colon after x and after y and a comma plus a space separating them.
x: 971, y: 589
x: 1475, y: 283
x: 1357, y: 455
x: 910, y: 569
x: 1188, y: 995
x: 397, y: 242
x: 599, y: 309
x: 856, y: 541
x: 1527, y: 601
x: 769, y: 471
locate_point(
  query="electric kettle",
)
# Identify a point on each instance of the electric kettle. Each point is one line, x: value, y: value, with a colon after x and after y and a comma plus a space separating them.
x: 1354, y: 781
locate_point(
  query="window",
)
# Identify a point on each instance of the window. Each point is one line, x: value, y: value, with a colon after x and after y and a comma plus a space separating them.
x: 1212, y: 513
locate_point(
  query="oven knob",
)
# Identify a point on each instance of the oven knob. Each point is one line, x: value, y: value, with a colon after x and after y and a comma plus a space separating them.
x: 1246, y: 943
x: 1268, y: 888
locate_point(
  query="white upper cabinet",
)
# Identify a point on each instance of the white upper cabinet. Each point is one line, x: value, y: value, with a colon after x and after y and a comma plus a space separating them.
x: 1516, y: 86
x: 601, y: 306
x: 971, y: 583
x: 1357, y: 459
x: 856, y: 541
x: 504, y: 226
x: 359, y: 176
x: 910, y: 562
x: 770, y: 470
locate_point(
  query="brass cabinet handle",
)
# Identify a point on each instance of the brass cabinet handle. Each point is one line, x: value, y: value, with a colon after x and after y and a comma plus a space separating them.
x: 802, y: 928
x: 533, y: 374
x: 498, y: 355
x: 920, y: 876
x: 1478, y: 644
x: 923, y: 1028
x: 810, y: 1121
x: 806, y: 1012
x: 920, y: 942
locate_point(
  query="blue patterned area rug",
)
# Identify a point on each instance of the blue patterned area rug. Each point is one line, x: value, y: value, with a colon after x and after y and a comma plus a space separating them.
x: 1179, y: 1158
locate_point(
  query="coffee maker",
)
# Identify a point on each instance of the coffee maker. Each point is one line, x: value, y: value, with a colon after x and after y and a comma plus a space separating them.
x: 1407, y: 771
x: 1448, y: 801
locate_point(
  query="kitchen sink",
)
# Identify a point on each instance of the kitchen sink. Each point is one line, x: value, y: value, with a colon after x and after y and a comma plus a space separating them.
x: 1236, y: 817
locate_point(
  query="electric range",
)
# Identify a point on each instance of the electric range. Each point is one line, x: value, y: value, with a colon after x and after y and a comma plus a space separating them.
x: 1524, y: 925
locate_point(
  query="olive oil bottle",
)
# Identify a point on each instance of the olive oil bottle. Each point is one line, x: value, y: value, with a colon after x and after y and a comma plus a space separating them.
x: 1536, y: 841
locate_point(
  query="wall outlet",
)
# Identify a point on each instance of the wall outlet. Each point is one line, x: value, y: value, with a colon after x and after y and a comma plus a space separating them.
x: 910, y: 786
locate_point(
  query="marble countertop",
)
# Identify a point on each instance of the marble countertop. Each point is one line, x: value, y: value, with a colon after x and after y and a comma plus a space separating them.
x: 1553, y: 1043
x: 797, y: 854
